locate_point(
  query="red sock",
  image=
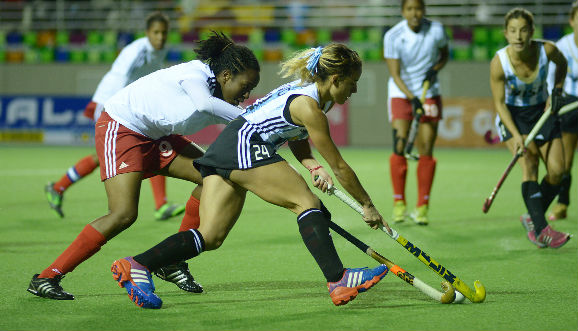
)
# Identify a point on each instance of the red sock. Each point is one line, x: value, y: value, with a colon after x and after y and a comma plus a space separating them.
x: 86, y: 244
x: 426, y: 168
x: 191, y: 220
x: 83, y: 167
x: 398, y: 172
x: 158, y: 184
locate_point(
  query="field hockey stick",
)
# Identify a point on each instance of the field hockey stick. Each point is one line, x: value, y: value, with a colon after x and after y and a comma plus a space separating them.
x: 449, y: 294
x: 415, y: 125
x: 476, y: 296
x: 569, y: 107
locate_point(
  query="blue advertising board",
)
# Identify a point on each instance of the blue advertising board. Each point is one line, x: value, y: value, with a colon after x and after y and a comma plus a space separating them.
x: 45, y: 119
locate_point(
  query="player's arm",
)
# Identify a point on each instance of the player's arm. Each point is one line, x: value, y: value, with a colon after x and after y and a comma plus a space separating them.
x: 305, y: 111
x: 198, y: 91
x: 497, y: 86
x: 302, y: 152
x: 394, y: 67
x: 558, y: 58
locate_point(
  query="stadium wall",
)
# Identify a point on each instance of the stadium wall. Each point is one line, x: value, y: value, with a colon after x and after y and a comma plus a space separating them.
x: 467, y: 104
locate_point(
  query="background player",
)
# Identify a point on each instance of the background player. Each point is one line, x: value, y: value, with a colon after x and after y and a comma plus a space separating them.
x: 244, y: 158
x: 568, y: 121
x: 415, y: 50
x: 518, y: 74
x: 141, y: 132
x: 137, y: 59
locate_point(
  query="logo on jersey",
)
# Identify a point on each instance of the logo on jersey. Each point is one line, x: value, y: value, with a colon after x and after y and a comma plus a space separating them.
x: 122, y: 166
x: 212, y: 82
x: 166, y: 148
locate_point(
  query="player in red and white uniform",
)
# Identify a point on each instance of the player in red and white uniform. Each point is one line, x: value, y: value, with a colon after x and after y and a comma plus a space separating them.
x: 139, y: 58
x: 141, y: 134
x: 415, y: 49
x: 569, y: 121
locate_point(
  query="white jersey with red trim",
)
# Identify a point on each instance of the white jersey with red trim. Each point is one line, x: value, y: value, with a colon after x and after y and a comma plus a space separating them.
x: 175, y: 100
x: 136, y: 60
x: 417, y: 52
x: 568, y: 47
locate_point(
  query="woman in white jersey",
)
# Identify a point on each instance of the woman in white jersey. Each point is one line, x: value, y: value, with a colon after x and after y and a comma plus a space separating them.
x: 140, y: 133
x: 137, y: 59
x: 415, y: 50
x: 569, y: 121
x: 518, y: 74
x: 244, y: 158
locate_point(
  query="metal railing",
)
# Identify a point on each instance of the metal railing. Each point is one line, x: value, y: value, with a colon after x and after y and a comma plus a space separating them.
x: 128, y: 15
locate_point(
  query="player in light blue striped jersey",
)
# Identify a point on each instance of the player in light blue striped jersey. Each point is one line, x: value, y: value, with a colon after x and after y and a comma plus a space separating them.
x: 244, y: 158
x: 518, y: 80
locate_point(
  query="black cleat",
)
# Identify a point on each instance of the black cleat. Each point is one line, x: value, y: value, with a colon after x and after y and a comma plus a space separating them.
x: 48, y: 288
x: 179, y: 275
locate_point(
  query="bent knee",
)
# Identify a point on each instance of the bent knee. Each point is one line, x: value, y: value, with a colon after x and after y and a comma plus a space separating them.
x: 124, y: 218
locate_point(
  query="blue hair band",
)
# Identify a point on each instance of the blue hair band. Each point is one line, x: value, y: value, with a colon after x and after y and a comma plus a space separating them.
x: 314, y: 59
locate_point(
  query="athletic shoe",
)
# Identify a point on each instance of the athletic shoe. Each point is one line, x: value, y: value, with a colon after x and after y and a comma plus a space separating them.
x: 179, y: 275
x: 552, y: 238
x: 168, y: 210
x: 48, y: 288
x: 54, y: 198
x: 419, y: 215
x: 527, y: 223
x: 137, y: 281
x: 399, y: 211
x: 353, y: 282
x: 559, y: 212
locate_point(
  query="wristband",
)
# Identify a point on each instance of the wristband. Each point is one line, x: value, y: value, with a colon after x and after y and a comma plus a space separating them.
x: 316, y: 168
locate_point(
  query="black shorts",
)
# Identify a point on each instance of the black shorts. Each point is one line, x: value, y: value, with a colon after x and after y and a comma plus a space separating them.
x: 525, y: 118
x: 569, y: 122
x: 236, y: 149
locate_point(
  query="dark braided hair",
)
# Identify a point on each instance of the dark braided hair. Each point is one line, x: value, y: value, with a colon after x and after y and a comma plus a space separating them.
x: 221, y: 53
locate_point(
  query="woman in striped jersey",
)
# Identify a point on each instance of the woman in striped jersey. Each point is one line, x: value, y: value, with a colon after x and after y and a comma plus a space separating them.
x: 244, y: 158
x: 140, y: 133
x: 518, y: 80
x: 415, y: 50
x: 569, y: 121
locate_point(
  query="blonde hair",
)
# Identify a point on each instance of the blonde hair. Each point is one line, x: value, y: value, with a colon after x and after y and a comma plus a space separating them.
x: 335, y: 59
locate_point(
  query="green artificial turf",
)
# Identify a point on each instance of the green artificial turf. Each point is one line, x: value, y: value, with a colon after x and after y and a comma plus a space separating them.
x: 263, y: 277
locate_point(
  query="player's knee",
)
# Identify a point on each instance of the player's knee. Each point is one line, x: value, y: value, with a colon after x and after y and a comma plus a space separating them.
x: 125, y: 217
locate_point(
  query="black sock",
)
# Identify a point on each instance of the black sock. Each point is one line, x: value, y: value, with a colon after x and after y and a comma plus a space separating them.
x: 564, y: 194
x: 315, y: 233
x: 533, y: 199
x: 178, y: 247
x: 549, y: 192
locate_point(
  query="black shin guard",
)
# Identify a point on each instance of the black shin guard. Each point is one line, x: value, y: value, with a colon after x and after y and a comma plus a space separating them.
x: 549, y: 192
x: 315, y: 233
x: 176, y: 248
x: 533, y: 199
x: 564, y: 193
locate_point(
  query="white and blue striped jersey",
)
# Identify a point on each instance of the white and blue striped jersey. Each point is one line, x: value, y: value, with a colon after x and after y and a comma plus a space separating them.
x: 522, y: 92
x: 416, y: 52
x: 267, y: 116
x: 567, y: 46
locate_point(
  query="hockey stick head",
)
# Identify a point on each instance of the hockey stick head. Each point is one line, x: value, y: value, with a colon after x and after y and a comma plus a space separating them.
x: 480, y: 292
x: 489, y: 139
x: 487, y: 205
x: 449, y: 293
